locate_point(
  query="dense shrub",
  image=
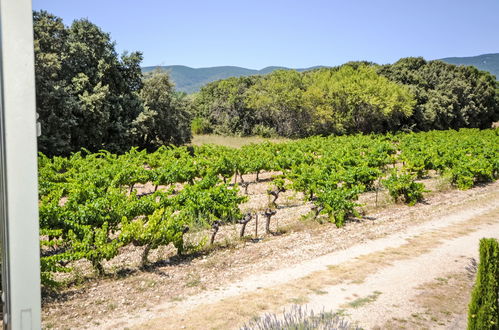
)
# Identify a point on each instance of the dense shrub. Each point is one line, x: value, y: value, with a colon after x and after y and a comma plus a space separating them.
x: 447, y: 96
x: 403, y: 186
x: 409, y: 95
x: 483, y: 310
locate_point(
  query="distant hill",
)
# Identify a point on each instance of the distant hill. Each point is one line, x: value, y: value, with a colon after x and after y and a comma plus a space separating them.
x: 190, y: 80
x: 486, y: 62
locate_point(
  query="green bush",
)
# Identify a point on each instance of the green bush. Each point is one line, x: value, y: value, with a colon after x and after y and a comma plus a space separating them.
x: 403, y: 186
x: 264, y: 131
x: 483, y: 310
x: 201, y: 126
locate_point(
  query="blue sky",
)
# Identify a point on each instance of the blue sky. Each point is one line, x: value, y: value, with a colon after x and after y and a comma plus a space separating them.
x: 303, y: 33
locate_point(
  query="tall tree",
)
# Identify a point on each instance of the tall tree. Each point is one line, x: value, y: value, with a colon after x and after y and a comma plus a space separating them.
x: 354, y: 98
x: 165, y: 119
x: 223, y: 104
x: 278, y: 102
x: 87, y: 96
x: 54, y: 102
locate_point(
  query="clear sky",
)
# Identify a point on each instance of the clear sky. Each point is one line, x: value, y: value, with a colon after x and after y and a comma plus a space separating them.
x: 293, y: 33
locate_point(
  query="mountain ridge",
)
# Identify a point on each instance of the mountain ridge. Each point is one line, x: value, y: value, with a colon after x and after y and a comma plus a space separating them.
x: 485, y: 62
x: 190, y: 80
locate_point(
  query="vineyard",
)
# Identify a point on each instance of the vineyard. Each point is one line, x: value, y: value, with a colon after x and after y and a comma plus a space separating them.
x: 90, y: 207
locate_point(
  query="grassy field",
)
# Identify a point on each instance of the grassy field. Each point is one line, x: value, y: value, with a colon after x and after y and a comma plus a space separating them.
x: 231, y: 141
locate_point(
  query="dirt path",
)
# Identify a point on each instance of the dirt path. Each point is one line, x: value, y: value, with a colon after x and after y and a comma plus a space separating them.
x: 413, y: 278
x: 398, y: 295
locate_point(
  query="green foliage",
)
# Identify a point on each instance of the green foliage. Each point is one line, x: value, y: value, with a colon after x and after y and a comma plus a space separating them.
x: 279, y: 183
x: 483, y: 310
x: 354, y: 99
x: 403, y: 186
x: 161, y: 228
x: 348, y: 99
x: 447, y: 96
x: 411, y: 94
x: 206, y: 202
x: 200, y: 126
x: 278, y: 101
x: 88, y: 96
x: 222, y: 105
x: 338, y: 202
x: 93, y: 244
x: 467, y: 157
x: 90, y: 205
x: 466, y: 173
x: 165, y: 119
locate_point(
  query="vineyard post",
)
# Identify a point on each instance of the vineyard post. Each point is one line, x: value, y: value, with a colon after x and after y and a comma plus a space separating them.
x: 18, y: 169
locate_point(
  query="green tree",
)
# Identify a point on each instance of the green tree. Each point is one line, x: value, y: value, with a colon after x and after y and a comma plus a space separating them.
x: 348, y: 99
x: 223, y: 105
x: 105, y: 86
x: 447, y: 96
x: 354, y: 99
x: 165, y: 119
x: 278, y: 103
x: 53, y: 100
x: 87, y: 96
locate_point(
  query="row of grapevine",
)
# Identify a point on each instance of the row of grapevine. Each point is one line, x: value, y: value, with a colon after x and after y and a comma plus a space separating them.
x: 90, y: 207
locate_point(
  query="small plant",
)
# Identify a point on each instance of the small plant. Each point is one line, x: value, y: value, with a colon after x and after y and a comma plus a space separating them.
x: 467, y: 173
x: 299, y: 318
x: 403, y: 186
x: 359, y: 302
x: 159, y: 229
x: 338, y: 203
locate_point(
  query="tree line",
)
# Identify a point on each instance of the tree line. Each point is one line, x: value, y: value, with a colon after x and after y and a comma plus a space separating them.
x: 411, y: 95
x: 90, y: 97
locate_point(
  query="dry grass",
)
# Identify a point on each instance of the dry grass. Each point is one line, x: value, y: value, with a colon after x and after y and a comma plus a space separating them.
x: 440, y: 300
x: 231, y: 141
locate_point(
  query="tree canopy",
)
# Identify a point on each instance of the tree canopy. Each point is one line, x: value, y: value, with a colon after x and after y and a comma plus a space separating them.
x: 165, y: 119
x: 349, y: 99
x: 447, y: 96
x: 87, y: 95
x: 357, y: 97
